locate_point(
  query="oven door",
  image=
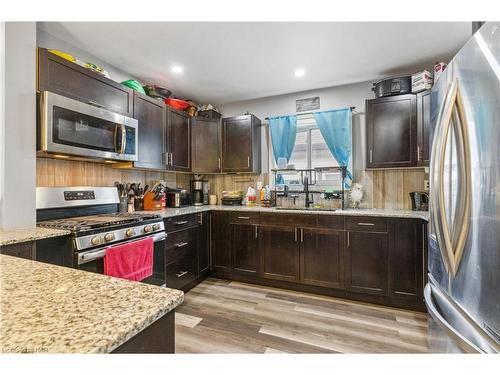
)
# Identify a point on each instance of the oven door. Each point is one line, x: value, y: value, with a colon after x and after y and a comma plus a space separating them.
x: 93, y: 260
x: 70, y: 127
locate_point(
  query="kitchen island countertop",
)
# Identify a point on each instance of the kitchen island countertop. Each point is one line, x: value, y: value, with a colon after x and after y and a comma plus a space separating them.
x: 50, y: 309
x: 13, y: 236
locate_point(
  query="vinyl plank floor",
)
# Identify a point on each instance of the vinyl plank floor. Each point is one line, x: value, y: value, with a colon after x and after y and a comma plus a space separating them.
x: 221, y: 316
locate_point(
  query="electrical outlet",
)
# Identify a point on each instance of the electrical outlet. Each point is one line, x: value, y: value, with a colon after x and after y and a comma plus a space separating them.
x: 426, y: 185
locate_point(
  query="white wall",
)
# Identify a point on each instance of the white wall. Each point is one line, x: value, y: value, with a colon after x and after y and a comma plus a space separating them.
x: 50, y: 41
x: 18, y: 143
x: 352, y: 95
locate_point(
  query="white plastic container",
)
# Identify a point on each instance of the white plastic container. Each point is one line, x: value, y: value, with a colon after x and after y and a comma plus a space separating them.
x: 421, y: 81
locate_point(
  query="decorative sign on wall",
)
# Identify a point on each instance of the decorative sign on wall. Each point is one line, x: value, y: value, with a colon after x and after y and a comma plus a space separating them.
x: 307, y: 104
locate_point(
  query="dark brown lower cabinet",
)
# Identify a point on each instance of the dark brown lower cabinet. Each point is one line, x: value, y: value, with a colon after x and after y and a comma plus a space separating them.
x: 279, y: 249
x: 322, y: 257
x: 367, y: 262
x: 245, y: 249
x: 204, y: 244
x: 406, y: 259
x: 369, y: 259
x: 220, y: 242
x: 26, y: 250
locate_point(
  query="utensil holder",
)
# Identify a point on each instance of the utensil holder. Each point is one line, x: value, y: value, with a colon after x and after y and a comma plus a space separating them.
x: 150, y: 204
x: 123, y: 204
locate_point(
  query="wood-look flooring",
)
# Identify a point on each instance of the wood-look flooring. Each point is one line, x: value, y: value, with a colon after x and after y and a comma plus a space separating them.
x: 220, y: 316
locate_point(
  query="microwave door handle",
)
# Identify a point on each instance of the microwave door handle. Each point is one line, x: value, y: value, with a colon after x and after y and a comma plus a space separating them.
x: 124, y: 138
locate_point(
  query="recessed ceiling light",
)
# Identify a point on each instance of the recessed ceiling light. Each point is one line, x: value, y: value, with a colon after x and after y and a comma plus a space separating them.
x: 177, y: 69
x: 299, y: 72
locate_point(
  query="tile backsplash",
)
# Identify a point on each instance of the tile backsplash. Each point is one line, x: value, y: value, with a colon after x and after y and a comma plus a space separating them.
x: 382, y: 188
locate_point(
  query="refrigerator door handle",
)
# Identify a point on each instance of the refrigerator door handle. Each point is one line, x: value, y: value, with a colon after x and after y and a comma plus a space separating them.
x: 452, y: 244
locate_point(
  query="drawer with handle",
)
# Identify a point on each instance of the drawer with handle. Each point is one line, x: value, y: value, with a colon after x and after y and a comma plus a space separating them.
x: 180, y: 274
x: 245, y: 217
x: 366, y: 224
x: 181, y: 245
x: 176, y: 223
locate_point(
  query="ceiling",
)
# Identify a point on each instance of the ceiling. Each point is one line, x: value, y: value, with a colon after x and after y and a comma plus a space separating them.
x: 228, y: 62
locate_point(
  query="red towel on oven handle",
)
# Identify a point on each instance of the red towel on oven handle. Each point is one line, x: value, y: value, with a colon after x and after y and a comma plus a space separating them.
x: 131, y: 261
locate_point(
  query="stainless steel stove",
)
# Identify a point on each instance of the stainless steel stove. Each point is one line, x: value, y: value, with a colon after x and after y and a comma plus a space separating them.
x: 91, y: 215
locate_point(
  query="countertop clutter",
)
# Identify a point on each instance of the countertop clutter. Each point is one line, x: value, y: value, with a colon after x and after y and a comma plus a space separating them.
x: 52, y: 309
x: 12, y: 236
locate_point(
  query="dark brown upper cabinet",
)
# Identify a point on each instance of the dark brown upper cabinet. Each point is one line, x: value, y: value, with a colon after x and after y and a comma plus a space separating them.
x: 178, y: 141
x: 66, y: 78
x: 423, y: 128
x: 391, y: 132
x: 206, y: 145
x: 150, y: 113
x: 241, y: 144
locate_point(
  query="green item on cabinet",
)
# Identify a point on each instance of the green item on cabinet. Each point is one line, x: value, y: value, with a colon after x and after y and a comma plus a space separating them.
x: 134, y: 85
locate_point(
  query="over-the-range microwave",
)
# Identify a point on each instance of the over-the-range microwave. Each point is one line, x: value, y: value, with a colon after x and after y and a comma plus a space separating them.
x: 74, y: 128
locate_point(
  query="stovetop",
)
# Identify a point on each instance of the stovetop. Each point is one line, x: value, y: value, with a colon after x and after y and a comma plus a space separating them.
x: 103, y: 221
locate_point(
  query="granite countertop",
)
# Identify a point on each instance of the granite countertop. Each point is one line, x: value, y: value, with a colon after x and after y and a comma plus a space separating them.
x: 51, y: 309
x: 12, y: 236
x: 380, y: 212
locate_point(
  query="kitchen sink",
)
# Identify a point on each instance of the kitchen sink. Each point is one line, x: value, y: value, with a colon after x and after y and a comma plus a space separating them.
x: 306, y: 209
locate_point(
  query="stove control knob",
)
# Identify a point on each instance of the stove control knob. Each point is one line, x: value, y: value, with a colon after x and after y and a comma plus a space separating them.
x: 156, y: 226
x: 95, y: 240
x: 109, y: 237
x: 129, y: 232
x: 148, y: 228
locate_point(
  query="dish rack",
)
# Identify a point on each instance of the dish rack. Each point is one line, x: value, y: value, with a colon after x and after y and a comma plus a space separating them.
x: 281, y: 190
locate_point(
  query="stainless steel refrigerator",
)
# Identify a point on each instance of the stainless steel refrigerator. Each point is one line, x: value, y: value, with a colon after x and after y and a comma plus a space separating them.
x: 463, y: 291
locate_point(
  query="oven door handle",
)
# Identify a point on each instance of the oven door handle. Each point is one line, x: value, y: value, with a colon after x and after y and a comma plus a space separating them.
x: 91, y: 255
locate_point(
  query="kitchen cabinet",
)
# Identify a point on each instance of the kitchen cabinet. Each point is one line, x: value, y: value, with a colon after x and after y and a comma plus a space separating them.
x: 178, y: 140
x: 26, y: 250
x: 203, y: 244
x: 322, y: 257
x: 220, y: 241
x: 407, y: 259
x: 245, y: 249
x: 181, y: 270
x: 279, y: 248
x: 150, y: 114
x: 391, y: 132
x: 241, y: 144
x: 206, y: 145
x: 423, y: 128
x: 367, y: 262
x: 66, y: 78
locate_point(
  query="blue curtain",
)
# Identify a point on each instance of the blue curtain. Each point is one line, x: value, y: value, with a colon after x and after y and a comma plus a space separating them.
x: 283, y: 133
x: 335, y: 127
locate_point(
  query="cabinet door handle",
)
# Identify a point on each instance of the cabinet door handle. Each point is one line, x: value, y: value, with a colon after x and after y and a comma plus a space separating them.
x: 219, y: 164
x: 371, y: 156
x: 181, y: 222
x: 201, y: 219
x: 180, y: 274
x: 301, y: 234
x: 244, y: 217
x: 171, y: 159
x: 296, y: 239
x: 181, y: 244
x: 348, y: 240
x: 248, y: 162
x: 418, y: 153
x: 367, y: 224
x: 256, y: 231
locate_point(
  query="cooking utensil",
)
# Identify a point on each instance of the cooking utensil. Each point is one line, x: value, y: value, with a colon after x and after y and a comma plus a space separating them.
x: 134, y: 85
x: 179, y: 104
x: 157, y: 91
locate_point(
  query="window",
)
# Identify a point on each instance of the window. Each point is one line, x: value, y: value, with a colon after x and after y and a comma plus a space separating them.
x: 311, y: 151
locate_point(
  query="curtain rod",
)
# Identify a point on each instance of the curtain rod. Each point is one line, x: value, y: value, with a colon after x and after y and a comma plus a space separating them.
x: 311, y: 112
